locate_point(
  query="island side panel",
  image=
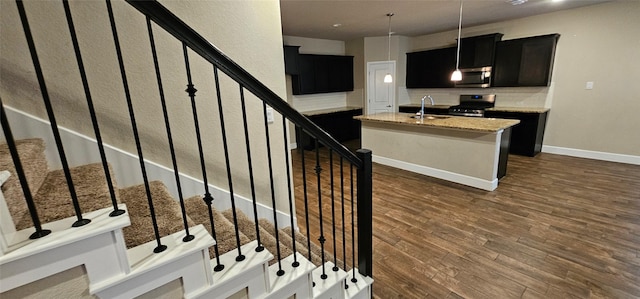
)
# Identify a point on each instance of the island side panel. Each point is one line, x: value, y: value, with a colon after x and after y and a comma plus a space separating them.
x: 466, y: 157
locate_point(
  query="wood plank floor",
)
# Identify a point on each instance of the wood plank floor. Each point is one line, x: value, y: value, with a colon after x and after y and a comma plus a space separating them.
x: 556, y: 227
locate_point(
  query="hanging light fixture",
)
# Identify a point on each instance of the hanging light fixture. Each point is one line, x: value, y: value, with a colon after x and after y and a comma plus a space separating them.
x: 388, y: 78
x: 457, y: 75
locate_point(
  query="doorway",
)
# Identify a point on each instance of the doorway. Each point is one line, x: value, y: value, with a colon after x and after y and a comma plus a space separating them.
x: 380, y: 95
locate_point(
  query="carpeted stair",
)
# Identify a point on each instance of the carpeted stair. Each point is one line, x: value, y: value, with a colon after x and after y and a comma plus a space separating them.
x: 53, y: 202
x: 31, y: 152
x: 198, y: 211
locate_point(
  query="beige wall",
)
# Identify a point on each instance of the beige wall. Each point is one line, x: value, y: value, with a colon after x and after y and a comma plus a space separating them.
x: 247, y: 31
x: 355, y: 48
x: 598, y: 43
x: 377, y: 49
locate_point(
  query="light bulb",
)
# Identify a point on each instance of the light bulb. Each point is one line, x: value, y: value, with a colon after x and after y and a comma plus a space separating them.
x: 388, y: 78
x: 456, y: 76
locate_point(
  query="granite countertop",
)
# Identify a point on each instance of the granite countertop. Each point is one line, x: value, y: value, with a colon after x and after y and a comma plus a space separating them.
x: 330, y: 110
x: 443, y: 121
x: 427, y: 106
x: 519, y: 109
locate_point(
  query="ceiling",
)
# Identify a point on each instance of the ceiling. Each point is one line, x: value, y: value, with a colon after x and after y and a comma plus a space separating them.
x: 360, y: 18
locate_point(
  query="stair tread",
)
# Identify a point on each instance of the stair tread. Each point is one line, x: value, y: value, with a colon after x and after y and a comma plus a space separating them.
x: 247, y: 226
x: 53, y: 200
x: 35, y: 167
x: 301, y: 246
x: 225, y: 235
x: 167, y: 210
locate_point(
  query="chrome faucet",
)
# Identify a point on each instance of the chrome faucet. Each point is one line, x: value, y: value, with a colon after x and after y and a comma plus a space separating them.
x: 422, y: 105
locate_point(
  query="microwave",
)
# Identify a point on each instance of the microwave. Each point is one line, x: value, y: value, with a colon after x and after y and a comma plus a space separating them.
x: 475, y: 77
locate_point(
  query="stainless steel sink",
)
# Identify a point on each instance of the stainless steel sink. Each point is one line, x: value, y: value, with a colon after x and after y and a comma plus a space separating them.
x: 431, y: 116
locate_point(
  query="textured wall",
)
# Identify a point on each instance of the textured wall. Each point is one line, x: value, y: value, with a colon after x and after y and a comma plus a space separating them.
x: 247, y: 31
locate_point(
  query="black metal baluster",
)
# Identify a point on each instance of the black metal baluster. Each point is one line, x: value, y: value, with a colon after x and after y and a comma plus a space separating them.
x: 353, y: 231
x: 208, y: 199
x: 321, y: 239
x: 306, y: 197
x: 240, y: 256
x: 94, y: 120
x: 8, y: 135
x: 280, y: 272
x: 333, y: 212
x: 290, y: 191
x: 52, y: 119
x: 250, y: 164
x: 344, y: 240
x: 188, y: 237
x: 159, y: 248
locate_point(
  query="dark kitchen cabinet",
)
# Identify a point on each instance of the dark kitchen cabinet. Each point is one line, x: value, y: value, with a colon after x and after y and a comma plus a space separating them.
x: 322, y: 74
x: 431, y: 69
x: 339, y: 124
x: 478, y: 51
x: 524, y: 62
x: 527, y: 136
x: 291, y: 60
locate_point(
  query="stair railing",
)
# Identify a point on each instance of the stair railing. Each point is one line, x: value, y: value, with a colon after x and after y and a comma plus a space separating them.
x: 360, y: 161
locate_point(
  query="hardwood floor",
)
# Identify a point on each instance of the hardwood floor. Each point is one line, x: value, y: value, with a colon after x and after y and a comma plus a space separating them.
x: 556, y: 227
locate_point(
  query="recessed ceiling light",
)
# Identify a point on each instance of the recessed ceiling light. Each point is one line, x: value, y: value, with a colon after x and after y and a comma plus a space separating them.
x: 336, y: 25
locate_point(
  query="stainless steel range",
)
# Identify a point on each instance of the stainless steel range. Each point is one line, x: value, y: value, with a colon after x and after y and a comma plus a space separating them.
x: 473, y: 105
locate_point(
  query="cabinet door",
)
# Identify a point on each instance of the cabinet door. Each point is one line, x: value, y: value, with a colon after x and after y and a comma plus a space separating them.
x: 525, y: 61
x: 478, y: 51
x: 431, y: 69
x: 527, y: 136
x: 322, y: 70
x: 291, y: 60
x: 304, y: 82
x: 537, y: 61
x: 507, y: 65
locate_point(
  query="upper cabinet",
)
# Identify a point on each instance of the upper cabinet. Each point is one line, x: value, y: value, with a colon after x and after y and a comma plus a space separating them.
x: 524, y: 62
x: 291, y: 60
x: 478, y: 51
x: 312, y: 73
x: 431, y: 69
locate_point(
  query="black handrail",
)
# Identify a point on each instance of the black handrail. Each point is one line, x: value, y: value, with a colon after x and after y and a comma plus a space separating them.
x: 181, y: 31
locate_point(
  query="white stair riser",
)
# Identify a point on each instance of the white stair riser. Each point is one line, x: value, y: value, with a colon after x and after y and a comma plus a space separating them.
x: 253, y: 280
x: 300, y: 288
x: 99, y: 254
x: 191, y: 269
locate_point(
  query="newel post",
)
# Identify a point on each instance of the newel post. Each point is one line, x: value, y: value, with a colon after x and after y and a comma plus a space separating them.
x: 365, y: 217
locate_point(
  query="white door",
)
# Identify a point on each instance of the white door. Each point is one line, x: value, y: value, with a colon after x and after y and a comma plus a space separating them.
x: 381, y: 96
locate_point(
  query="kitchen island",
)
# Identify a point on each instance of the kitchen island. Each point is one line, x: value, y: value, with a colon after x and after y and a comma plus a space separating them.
x: 466, y: 150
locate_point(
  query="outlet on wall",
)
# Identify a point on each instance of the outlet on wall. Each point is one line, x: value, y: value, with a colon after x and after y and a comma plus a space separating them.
x: 589, y: 85
x: 270, y: 115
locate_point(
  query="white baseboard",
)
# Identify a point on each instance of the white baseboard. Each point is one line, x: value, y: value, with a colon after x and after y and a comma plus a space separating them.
x: 438, y: 173
x: 81, y: 149
x: 620, y: 158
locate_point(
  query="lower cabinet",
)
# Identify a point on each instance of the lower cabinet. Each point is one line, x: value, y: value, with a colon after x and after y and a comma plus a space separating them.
x: 340, y: 125
x: 526, y: 137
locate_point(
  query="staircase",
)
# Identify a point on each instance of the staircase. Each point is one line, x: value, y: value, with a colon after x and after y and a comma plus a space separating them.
x: 117, y: 253
x: 214, y: 216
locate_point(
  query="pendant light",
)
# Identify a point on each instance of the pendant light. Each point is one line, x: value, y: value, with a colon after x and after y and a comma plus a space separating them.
x: 457, y: 75
x: 388, y: 78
